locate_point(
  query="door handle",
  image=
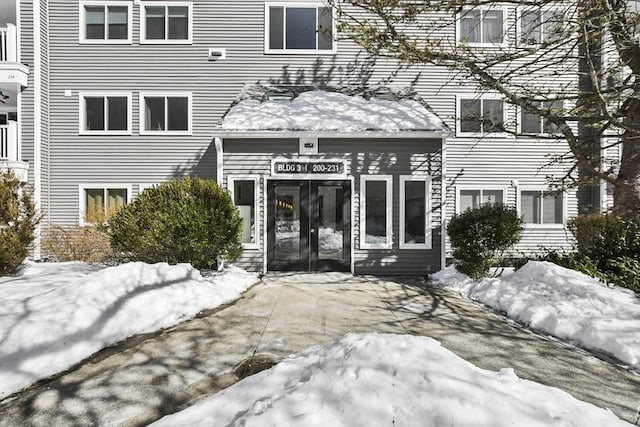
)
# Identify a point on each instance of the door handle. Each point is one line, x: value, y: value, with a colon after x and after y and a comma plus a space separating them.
x: 313, y: 230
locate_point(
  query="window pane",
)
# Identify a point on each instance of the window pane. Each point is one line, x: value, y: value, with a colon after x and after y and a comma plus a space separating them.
x: 414, y: 212
x: 178, y: 23
x: 492, y: 26
x: 154, y: 113
x: 301, y: 28
x: 116, y: 197
x: 118, y: 23
x: 94, y: 17
x: 552, y: 209
x: 94, y: 207
x: 492, y: 115
x: 276, y: 30
x: 94, y: 113
x: 555, y: 107
x: 325, y: 28
x: 552, y: 25
x: 470, y: 26
x: 530, y: 27
x: 492, y: 196
x: 530, y: 123
x: 244, y: 199
x: 470, y: 115
x: 530, y: 206
x: 469, y: 199
x: 178, y: 113
x: 375, y: 212
x: 155, y: 22
x: 117, y: 113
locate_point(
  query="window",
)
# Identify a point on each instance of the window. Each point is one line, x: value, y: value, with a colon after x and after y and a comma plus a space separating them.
x: 105, y: 113
x: 415, y: 231
x: 99, y: 202
x: 105, y: 22
x: 166, y: 22
x: 298, y: 28
x: 472, y: 198
x: 535, y: 124
x: 481, y: 115
x: 481, y: 26
x: 165, y: 112
x: 244, y: 191
x: 540, y: 26
x: 542, y: 207
x: 376, y: 211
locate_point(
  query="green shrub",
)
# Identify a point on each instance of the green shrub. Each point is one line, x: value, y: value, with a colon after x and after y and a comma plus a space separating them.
x: 481, y: 236
x: 190, y: 220
x: 18, y: 222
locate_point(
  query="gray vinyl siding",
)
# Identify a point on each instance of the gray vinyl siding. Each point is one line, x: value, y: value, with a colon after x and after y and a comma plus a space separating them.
x: 364, y: 156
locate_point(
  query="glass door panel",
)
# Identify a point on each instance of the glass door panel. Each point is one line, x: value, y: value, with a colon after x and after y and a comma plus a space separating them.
x: 287, y: 226
x: 330, y: 222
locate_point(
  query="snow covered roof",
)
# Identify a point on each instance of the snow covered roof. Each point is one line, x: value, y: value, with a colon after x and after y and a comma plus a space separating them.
x: 330, y: 110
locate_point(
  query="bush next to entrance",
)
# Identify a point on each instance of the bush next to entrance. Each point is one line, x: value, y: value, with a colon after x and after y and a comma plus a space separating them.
x: 18, y: 221
x: 481, y: 236
x: 190, y: 220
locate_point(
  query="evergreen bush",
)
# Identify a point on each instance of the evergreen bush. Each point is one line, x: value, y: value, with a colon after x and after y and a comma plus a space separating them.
x: 18, y: 222
x: 481, y: 236
x: 189, y: 220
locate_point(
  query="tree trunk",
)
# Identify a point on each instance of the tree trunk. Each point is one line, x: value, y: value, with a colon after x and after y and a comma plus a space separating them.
x: 626, y: 192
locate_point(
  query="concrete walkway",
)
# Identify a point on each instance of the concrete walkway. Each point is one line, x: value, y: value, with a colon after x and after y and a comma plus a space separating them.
x: 144, y: 379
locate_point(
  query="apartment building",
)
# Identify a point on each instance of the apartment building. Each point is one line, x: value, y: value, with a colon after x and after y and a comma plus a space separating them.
x: 107, y: 98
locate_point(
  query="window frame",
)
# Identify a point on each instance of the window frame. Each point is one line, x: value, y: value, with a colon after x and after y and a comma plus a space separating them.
x: 164, y: 94
x: 481, y: 98
x: 520, y: 11
x: 388, y: 179
x: 301, y: 4
x: 82, y: 32
x: 231, y: 180
x: 428, y: 244
x: 460, y: 188
x: 541, y: 119
x: 543, y: 190
x: 82, y: 112
x: 166, y: 5
x: 82, y: 197
x: 505, y: 29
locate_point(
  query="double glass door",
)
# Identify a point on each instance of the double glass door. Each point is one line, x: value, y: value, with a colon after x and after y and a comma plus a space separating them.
x: 309, y: 227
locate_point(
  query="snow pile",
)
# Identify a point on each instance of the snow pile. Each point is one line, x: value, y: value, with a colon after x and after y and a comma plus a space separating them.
x: 54, y: 315
x: 331, y: 111
x: 388, y: 380
x: 563, y: 303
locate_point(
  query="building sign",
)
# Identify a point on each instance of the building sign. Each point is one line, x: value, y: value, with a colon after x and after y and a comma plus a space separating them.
x: 320, y: 167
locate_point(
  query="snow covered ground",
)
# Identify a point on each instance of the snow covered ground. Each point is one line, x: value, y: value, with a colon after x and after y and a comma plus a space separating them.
x: 388, y: 380
x: 562, y: 302
x: 53, y: 315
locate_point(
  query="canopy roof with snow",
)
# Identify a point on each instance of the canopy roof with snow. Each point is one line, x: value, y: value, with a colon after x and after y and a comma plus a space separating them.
x: 346, y: 110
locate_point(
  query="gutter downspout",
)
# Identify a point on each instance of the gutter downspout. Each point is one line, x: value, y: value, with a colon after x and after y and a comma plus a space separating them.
x: 219, y: 164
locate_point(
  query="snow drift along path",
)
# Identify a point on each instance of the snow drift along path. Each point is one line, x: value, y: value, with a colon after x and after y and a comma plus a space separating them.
x: 385, y: 380
x: 562, y: 302
x: 54, y: 315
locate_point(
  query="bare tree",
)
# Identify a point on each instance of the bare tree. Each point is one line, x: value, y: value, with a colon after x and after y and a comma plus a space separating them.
x: 572, y: 65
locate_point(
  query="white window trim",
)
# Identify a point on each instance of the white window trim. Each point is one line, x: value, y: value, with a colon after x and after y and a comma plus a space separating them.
x: 480, y: 188
x: 142, y: 187
x: 82, y: 112
x: 519, y: 111
x: 389, y: 211
x: 231, y: 179
x: 82, y: 33
x: 285, y: 51
x: 520, y: 11
x: 164, y: 94
x: 82, y: 196
x: 143, y: 23
x: 505, y: 107
x: 505, y: 32
x: 427, y: 223
x: 530, y: 225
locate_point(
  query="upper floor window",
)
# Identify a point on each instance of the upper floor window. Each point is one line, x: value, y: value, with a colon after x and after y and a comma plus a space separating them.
x: 542, y: 207
x: 472, y: 198
x: 298, y: 28
x: 166, y: 22
x: 532, y: 123
x: 162, y: 112
x: 105, y: 22
x: 105, y: 113
x: 481, y: 26
x: 480, y: 115
x: 540, y: 26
